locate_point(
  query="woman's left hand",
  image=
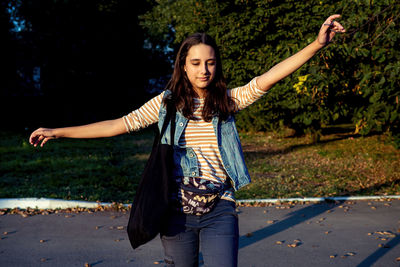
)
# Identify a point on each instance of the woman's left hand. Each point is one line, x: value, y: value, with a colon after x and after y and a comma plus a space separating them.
x: 329, y: 29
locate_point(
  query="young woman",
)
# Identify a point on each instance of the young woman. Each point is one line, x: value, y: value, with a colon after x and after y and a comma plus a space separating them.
x: 208, y: 160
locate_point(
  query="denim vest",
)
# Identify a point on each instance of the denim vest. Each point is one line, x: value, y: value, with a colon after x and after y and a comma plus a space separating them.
x: 228, y: 143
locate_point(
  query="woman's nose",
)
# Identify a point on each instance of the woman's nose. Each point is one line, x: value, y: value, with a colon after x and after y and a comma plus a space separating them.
x: 204, y: 69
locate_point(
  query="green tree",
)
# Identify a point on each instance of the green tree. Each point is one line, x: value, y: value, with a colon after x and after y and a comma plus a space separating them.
x: 353, y: 79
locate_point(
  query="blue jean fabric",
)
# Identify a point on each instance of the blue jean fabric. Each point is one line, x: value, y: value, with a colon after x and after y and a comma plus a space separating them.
x: 230, y: 148
x: 215, y: 234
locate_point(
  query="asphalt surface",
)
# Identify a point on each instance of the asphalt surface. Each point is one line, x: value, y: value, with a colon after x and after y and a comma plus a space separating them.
x: 362, y: 233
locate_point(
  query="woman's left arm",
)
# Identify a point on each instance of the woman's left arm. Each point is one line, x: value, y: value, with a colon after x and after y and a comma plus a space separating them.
x: 291, y: 64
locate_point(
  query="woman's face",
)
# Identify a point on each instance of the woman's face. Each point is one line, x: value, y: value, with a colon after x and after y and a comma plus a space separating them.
x: 200, y: 67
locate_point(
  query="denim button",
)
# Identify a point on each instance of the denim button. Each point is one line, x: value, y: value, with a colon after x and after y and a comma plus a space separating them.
x: 193, y: 173
x: 191, y: 155
x: 181, y: 124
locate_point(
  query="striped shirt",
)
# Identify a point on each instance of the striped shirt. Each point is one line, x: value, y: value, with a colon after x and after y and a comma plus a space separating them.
x: 198, y: 134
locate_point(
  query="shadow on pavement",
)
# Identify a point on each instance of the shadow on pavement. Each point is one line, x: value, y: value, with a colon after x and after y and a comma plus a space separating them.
x: 293, y: 219
x: 380, y: 252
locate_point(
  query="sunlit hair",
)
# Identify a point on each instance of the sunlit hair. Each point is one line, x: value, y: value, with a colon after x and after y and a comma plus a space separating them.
x: 217, y: 102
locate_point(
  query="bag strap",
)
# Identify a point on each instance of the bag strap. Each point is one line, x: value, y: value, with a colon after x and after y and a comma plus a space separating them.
x: 171, y: 115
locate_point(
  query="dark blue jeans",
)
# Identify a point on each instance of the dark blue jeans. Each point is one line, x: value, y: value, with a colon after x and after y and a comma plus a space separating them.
x: 215, y: 234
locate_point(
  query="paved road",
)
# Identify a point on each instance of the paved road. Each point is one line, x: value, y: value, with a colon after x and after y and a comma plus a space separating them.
x: 362, y: 233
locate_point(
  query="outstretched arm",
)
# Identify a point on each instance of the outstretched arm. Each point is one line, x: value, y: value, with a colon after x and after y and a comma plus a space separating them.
x: 137, y: 119
x: 94, y: 130
x: 291, y: 64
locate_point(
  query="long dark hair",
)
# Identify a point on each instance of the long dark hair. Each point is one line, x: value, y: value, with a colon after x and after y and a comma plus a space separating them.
x: 217, y: 101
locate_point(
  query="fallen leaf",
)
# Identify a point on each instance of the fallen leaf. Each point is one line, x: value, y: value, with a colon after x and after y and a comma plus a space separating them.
x: 120, y: 228
x: 398, y: 259
x: 350, y: 254
x: 249, y: 234
x: 293, y: 245
x: 5, y: 233
x: 279, y: 242
x: 87, y: 264
x: 42, y: 241
x: 327, y: 232
x: 332, y: 256
x: 43, y: 259
x: 383, y: 246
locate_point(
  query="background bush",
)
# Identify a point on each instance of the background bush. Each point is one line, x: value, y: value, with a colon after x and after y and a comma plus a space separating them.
x: 353, y: 80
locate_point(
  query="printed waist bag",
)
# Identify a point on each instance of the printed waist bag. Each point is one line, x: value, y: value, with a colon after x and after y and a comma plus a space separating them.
x: 195, y: 201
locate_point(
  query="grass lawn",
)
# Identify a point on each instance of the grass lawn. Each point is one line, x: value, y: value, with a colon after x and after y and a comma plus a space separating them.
x: 109, y: 169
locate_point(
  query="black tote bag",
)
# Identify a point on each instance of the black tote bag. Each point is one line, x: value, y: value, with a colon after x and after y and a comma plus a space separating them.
x: 151, y: 203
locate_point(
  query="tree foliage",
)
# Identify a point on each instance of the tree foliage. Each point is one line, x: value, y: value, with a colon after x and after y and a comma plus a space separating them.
x: 354, y: 79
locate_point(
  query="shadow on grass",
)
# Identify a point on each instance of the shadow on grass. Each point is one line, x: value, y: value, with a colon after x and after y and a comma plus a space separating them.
x: 296, y: 147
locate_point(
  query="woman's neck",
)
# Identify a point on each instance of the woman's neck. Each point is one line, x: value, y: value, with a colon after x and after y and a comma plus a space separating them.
x: 201, y: 93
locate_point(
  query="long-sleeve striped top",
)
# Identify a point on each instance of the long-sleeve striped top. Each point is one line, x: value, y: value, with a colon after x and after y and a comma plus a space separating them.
x: 198, y: 134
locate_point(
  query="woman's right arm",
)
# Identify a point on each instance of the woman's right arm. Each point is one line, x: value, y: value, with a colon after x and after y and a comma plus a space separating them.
x: 134, y: 121
x: 94, y: 130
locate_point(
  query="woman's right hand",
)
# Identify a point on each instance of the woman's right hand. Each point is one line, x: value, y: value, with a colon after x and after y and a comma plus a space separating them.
x: 42, y: 135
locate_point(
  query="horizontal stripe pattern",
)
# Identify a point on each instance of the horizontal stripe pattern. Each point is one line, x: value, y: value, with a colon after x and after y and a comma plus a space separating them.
x: 198, y: 134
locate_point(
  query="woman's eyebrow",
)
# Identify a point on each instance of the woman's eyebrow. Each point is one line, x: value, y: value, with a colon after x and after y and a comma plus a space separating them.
x: 197, y: 59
